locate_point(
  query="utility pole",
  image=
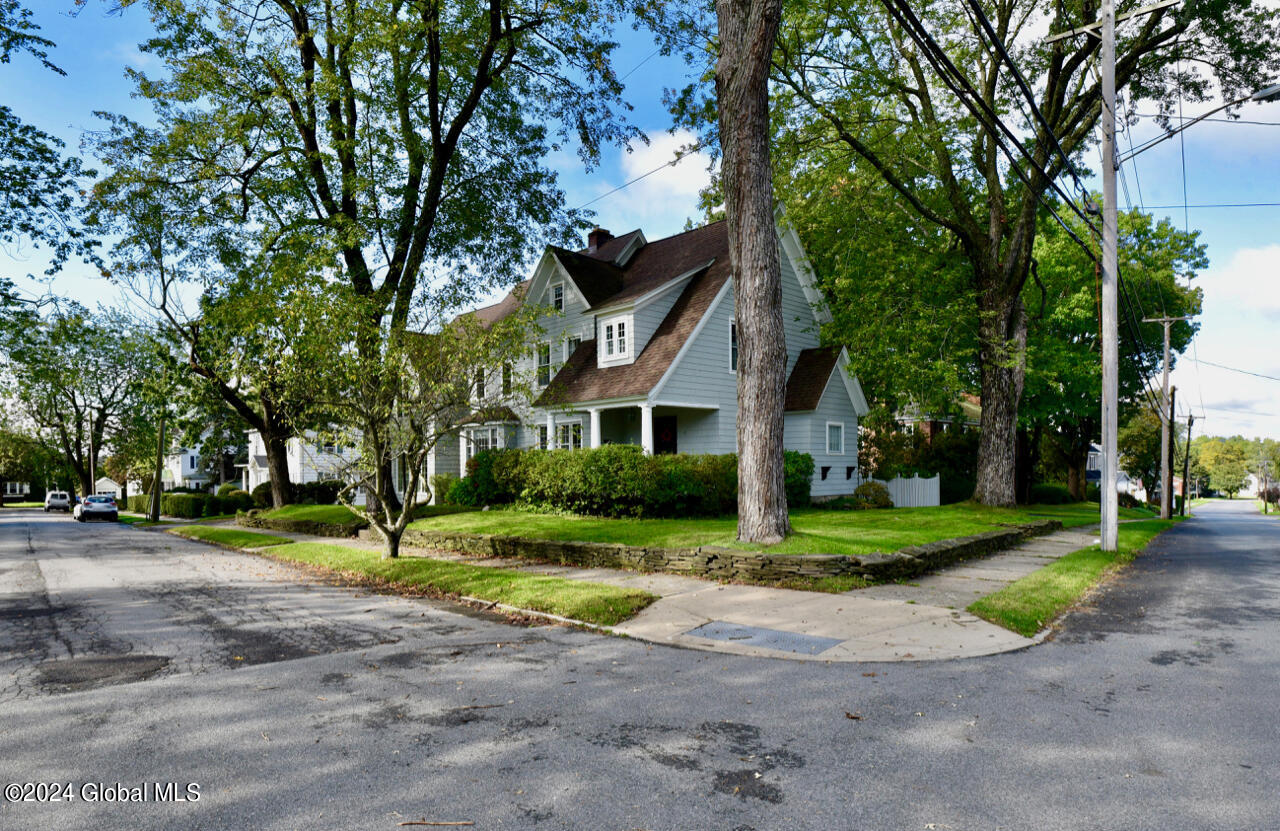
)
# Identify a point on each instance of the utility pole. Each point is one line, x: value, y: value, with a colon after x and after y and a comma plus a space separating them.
x: 1105, y: 30
x: 1186, y: 467
x: 1168, y: 461
x: 1166, y: 424
x: 1109, y: 499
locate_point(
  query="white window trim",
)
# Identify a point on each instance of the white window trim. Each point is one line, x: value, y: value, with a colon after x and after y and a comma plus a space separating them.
x: 569, y: 425
x: 568, y: 352
x: 733, y: 327
x: 537, y: 365
x: 839, y: 424
x: 551, y: 290
x: 624, y: 356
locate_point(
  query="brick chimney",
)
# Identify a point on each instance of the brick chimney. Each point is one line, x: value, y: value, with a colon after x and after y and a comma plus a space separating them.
x: 597, y: 238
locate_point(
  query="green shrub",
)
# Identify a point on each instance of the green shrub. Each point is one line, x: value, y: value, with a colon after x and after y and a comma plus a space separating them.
x: 1048, y: 494
x: 139, y: 503
x: 872, y: 495
x: 490, y: 474
x: 184, y: 505
x: 321, y: 492
x: 460, y: 493
x: 262, y: 495
x: 227, y: 488
x: 441, y: 485
x: 619, y: 480
x: 797, y: 472
x: 1128, y: 500
x: 952, y: 489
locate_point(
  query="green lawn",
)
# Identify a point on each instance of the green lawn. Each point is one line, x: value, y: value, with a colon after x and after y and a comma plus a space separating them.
x: 230, y: 536
x: 141, y: 521
x: 576, y: 599
x: 1028, y: 605
x: 24, y: 504
x: 333, y: 514
x: 817, y: 531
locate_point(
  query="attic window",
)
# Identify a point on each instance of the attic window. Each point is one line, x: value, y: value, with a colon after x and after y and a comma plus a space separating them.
x: 557, y: 297
x: 733, y: 346
x: 615, y: 338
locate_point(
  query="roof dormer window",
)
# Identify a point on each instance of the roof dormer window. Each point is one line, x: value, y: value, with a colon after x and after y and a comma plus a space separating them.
x: 617, y: 338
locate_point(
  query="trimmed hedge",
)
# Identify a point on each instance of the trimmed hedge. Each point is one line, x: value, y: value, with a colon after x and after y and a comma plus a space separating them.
x: 183, y: 505
x: 1047, y: 494
x: 617, y: 480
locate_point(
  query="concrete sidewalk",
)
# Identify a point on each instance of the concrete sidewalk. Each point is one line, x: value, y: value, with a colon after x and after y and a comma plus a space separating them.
x: 920, y: 620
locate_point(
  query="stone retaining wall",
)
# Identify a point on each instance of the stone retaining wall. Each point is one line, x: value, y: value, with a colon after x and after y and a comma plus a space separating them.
x: 732, y: 564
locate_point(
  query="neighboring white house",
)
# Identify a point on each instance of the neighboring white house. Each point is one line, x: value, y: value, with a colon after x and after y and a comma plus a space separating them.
x: 14, y: 491
x: 1124, y: 482
x: 311, y: 459
x: 184, y: 468
x: 639, y: 346
x: 106, y: 485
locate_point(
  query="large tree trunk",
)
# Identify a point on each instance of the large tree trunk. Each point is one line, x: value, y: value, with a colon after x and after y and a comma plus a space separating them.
x: 748, y: 29
x: 1003, y: 333
x: 278, y: 468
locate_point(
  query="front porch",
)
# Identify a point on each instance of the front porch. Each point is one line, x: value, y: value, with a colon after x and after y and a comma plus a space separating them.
x: 657, y: 427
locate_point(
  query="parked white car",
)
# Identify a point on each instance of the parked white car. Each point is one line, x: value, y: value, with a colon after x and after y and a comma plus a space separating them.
x: 57, y: 501
x: 97, y: 507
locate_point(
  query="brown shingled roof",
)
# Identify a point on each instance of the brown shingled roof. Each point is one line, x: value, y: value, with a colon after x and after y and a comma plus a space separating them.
x: 504, y: 307
x: 611, y: 248
x: 809, y: 378
x: 666, y: 259
x: 580, y: 379
x: 596, y: 279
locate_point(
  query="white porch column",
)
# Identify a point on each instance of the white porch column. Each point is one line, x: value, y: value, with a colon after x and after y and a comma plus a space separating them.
x: 646, y: 428
x: 551, y: 430
x: 595, y: 426
x: 462, y: 453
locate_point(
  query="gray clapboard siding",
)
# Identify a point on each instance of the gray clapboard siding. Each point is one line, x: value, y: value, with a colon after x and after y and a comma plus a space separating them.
x: 834, y: 406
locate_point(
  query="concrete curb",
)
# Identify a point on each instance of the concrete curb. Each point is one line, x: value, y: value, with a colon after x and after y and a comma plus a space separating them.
x: 485, y: 605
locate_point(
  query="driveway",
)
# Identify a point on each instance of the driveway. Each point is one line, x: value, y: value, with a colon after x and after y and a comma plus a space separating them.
x: 297, y: 705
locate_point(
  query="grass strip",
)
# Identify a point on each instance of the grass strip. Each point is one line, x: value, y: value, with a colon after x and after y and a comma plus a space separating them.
x: 330, y: 514
x: 816, y: 530
x: 23, y: 505
x: 234, y: 537
x: 1028, y: 605
x: 140, y: 521
x: 577, y: 599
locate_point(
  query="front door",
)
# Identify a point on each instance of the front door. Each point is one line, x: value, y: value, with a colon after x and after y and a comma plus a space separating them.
x: 664, y: 434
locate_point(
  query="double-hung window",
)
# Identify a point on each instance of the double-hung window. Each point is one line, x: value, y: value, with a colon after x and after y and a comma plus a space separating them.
x: 570, y: 346
x: 507, y: 379
x: 480, y: 384
x: 835, y: 438
x: 733, y: 346
x: 542, y: 436
x: 557, y: 297
x: 616, y: 338
x: 544, y: 364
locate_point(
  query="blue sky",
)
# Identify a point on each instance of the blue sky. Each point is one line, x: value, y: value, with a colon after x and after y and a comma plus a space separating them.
x: 1225, y: 163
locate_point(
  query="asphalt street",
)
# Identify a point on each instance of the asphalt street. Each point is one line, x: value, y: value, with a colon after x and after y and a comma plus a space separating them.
x: 130, y: 657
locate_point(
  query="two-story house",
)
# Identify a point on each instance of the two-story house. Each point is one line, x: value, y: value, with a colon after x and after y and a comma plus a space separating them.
x: 639, y: 346
x: 311, y: 459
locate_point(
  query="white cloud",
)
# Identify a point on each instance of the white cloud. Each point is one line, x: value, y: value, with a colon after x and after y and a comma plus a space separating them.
x: 662, y: 200
x: 1248, y: 283
x: 1241, y: 314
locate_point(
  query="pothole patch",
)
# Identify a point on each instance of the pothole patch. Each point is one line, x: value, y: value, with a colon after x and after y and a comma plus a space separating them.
x: 73, y: 674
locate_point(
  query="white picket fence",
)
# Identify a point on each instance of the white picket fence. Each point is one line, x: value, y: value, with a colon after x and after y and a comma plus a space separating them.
x: 914, y: 492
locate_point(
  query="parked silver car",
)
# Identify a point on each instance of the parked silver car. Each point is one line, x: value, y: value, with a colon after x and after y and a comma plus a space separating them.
x: 57, y: 501
x: 97, y: 507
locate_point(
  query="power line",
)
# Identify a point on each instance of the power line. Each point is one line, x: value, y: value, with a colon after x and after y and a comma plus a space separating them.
x: 679, y: 158
x: 1220, y: 120
x: 1241, y: 371
x: 1215, y: 205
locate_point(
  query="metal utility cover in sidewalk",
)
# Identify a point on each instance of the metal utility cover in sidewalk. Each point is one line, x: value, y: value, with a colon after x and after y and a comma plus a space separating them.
x: 719, y: 630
